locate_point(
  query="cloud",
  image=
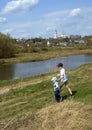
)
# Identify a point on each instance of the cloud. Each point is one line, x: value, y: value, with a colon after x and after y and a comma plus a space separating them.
x: 49, y: 28
x: 63, y: 13
x: 2, y: 20
x: 56, y: 13
x: 7, y: 30
x: 19, y: 5
x: 71, y: 21
x: 75, y: 12
x: 25, y: 35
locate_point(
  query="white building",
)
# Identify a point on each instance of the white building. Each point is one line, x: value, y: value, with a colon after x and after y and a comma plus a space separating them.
x: 63, y: 35
x: 48, y: 43
x: 55, y: 34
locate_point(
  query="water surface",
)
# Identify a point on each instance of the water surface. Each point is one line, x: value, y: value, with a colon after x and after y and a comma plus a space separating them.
x: 21, y: 70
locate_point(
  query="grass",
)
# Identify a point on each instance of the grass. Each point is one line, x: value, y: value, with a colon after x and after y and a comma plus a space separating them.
x: 52, y: 52
x: 23, y: 102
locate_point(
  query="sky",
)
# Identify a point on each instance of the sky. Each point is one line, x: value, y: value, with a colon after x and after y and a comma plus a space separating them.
x: 40, y: 18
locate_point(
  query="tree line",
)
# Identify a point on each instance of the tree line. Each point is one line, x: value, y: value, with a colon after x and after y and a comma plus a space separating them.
x: 9, y: 46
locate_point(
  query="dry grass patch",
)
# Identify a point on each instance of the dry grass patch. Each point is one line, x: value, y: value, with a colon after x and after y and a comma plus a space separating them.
x: 68, y: 115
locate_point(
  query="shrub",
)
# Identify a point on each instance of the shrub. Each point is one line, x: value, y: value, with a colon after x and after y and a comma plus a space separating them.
x: 34, y: 49
x: 8, y: 48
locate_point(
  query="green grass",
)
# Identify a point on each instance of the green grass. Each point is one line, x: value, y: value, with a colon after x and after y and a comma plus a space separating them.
x: 5, y: 83
x: 31, y: 98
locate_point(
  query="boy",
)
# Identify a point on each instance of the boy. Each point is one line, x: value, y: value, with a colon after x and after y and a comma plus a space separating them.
x: 56, y: 89
x: 63, y: 78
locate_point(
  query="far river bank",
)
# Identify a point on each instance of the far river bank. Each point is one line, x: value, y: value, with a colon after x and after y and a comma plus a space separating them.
x: 45, y: 55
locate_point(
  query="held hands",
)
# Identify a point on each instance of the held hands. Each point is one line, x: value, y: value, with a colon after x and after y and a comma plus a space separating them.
x: 58, y: 77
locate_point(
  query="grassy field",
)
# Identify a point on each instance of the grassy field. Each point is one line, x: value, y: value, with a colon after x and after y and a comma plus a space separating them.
x: 52, y: 52
x: 29, y: 103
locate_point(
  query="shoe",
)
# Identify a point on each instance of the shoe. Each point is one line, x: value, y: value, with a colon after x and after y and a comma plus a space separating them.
x: 71, y: 96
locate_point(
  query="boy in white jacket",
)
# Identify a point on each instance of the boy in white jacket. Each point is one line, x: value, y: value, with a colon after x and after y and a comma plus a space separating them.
x: 63, y: 78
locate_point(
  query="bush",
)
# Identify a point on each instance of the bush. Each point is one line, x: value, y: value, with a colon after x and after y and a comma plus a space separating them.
x: 80, y: 46
x: 44, y: 48
x: 8, y: 48
x: 34, y: 49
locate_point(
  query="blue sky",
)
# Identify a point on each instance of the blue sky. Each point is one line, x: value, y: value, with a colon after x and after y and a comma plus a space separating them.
x: 40, y: 18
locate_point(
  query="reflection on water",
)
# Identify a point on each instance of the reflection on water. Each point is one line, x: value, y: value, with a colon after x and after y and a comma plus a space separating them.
x: 7, y: 71
x: 36, y: 68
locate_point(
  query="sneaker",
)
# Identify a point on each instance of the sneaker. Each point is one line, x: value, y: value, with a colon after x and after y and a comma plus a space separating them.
x: 71, y: 96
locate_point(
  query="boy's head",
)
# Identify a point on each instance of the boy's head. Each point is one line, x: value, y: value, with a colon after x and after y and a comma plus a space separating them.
x: 60, y: 65
x: 54, y: 79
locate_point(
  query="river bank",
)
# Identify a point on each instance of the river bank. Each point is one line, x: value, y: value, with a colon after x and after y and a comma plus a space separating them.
x: 45, y: 55
x: 28, y: 96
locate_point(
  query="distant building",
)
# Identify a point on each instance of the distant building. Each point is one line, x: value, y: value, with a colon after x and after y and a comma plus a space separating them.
x: 38, y: 43
x: 75, y: 36
x: 48, y: 43
x: 55, y: 34
x: 63, y: 35
x: 80, y: 41
x: 63, y: 43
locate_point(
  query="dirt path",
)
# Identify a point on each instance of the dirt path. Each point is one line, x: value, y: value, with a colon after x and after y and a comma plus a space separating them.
x: 22, y: 84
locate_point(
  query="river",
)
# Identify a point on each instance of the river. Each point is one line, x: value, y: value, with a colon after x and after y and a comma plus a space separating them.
x: 20, y: 70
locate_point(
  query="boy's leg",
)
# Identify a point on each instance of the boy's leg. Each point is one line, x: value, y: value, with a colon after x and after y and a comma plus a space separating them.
x: 69, y: 89
x: 57, y: 95
x: 61, y: 85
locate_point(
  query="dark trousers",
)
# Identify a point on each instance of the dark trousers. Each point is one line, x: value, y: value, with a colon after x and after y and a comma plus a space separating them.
x: 57, y: 95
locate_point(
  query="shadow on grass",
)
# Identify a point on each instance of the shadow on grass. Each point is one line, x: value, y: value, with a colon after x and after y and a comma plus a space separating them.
x: 74, y: 92
x: 67, y: 96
